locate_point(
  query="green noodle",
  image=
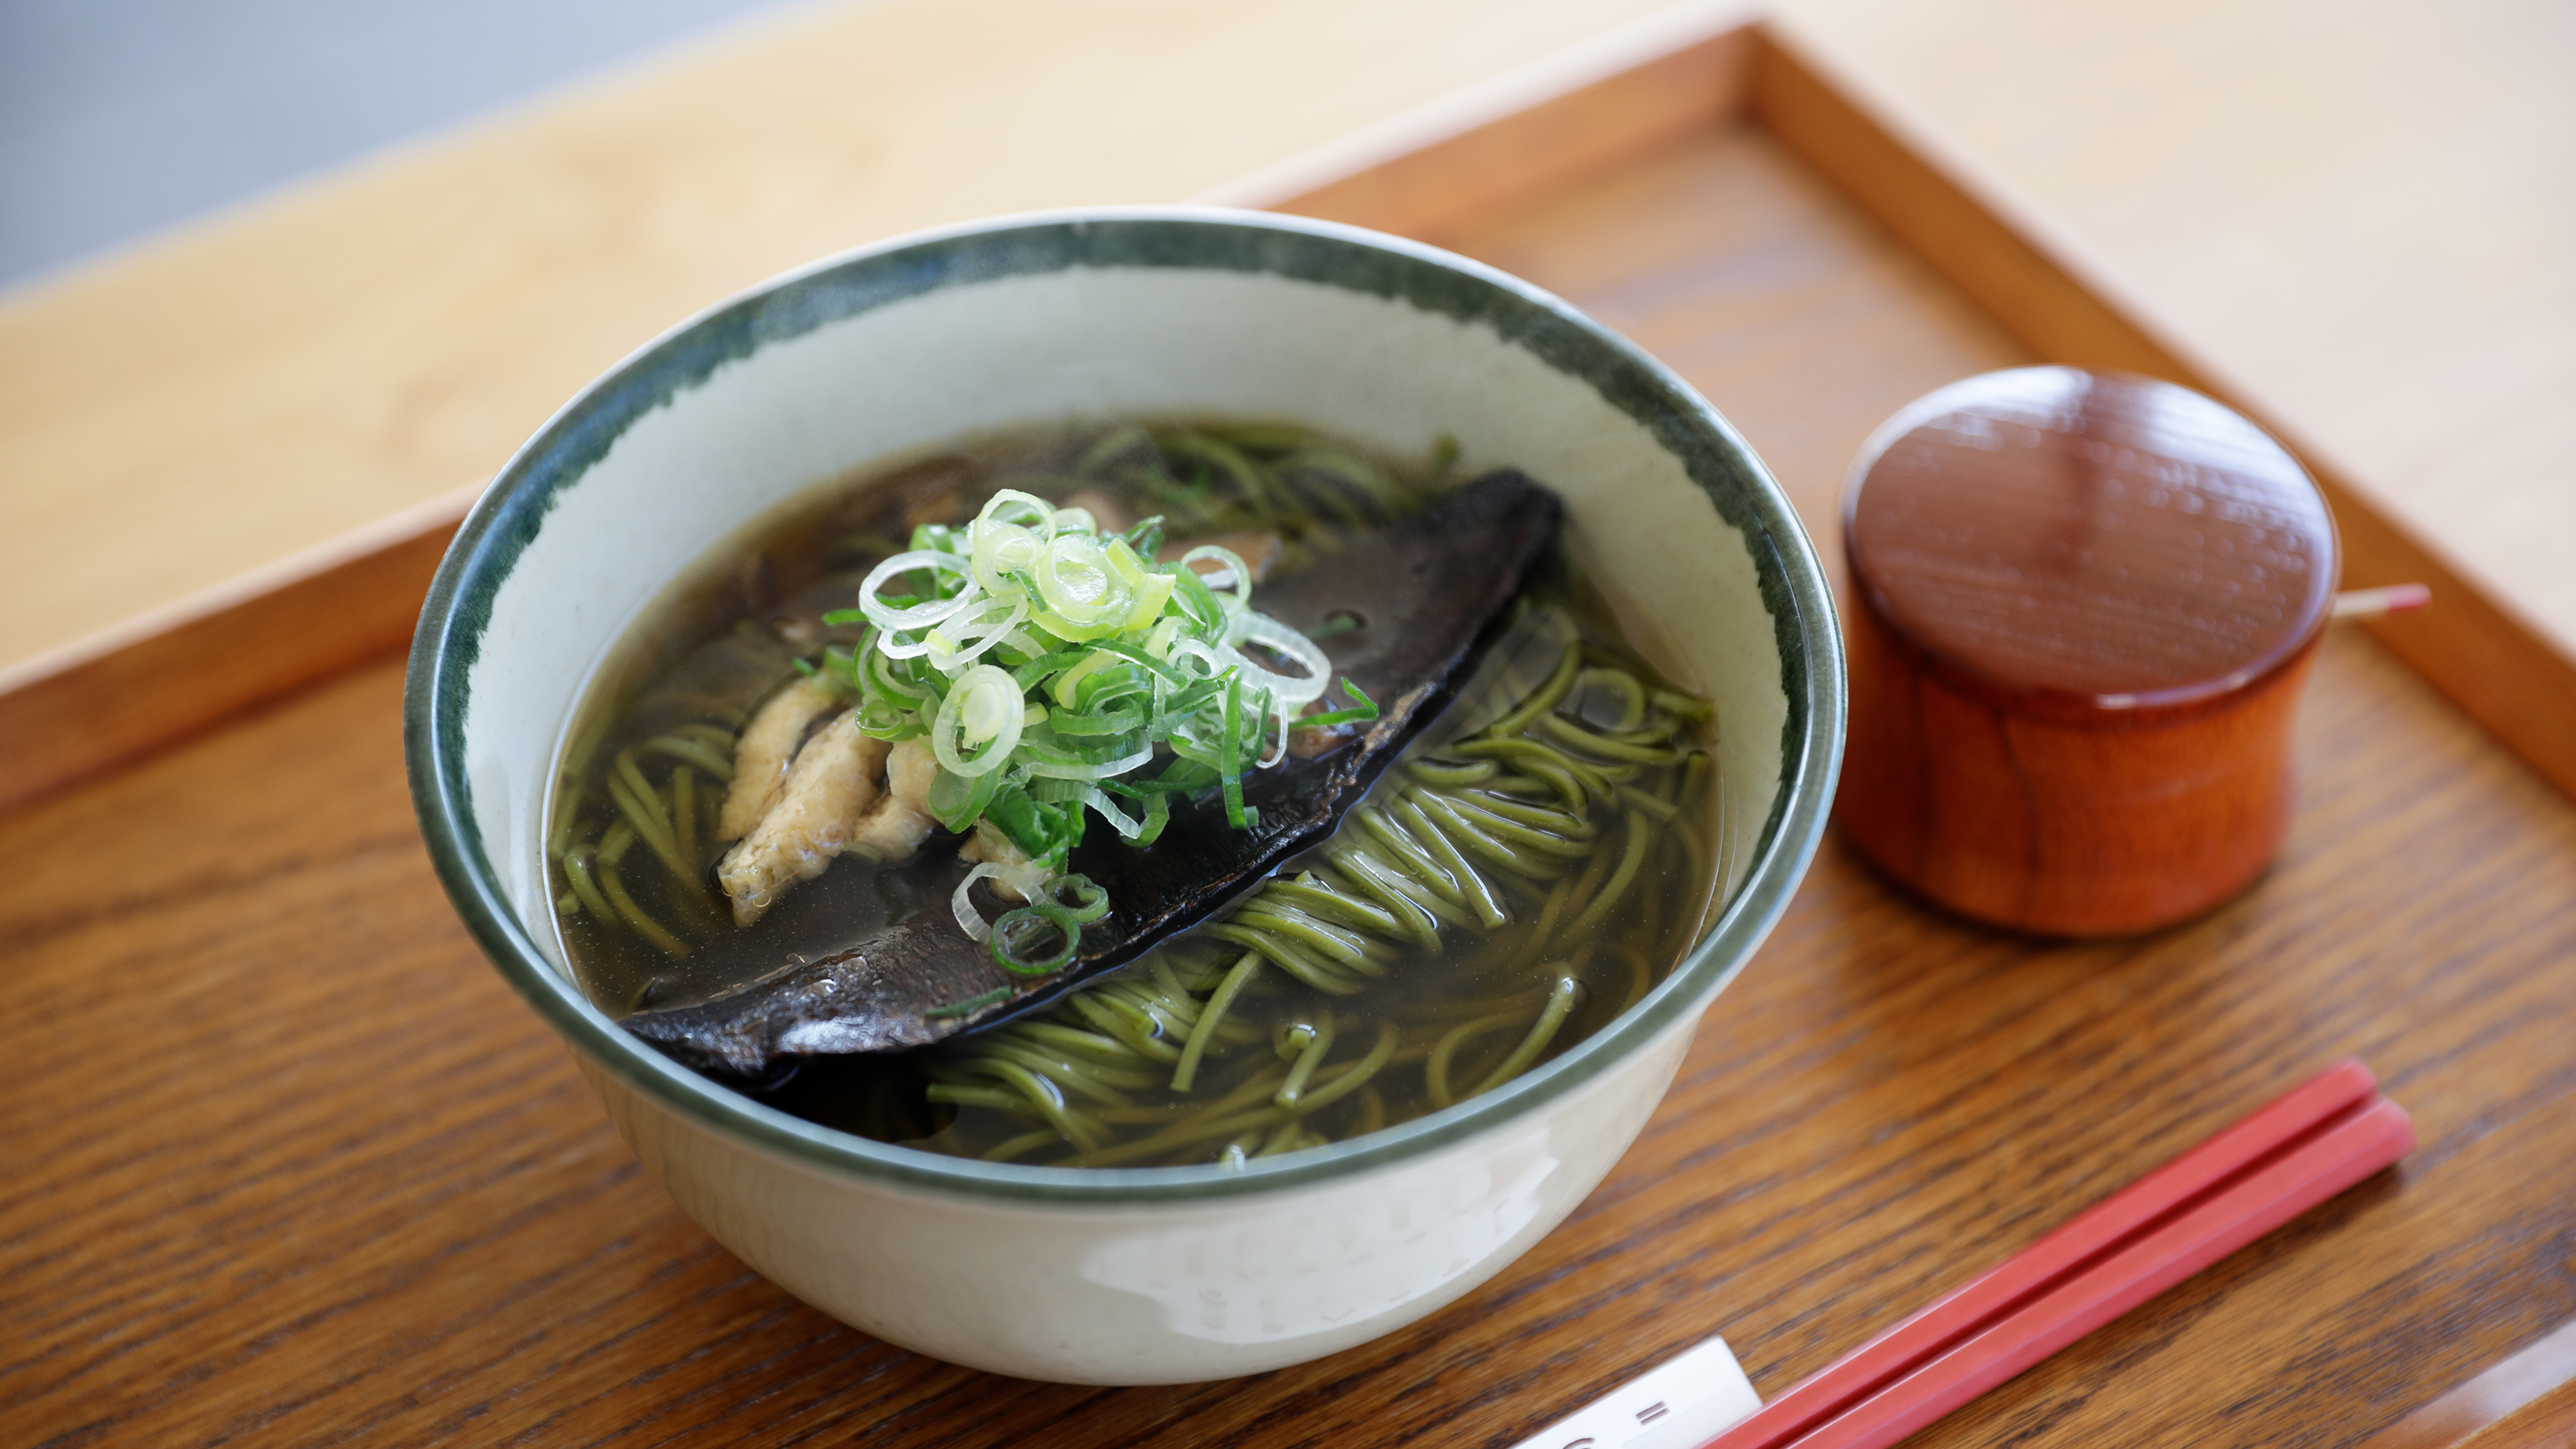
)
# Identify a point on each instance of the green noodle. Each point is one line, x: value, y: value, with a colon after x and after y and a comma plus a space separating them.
x: 1450, y: 854
x: 1478, y: 884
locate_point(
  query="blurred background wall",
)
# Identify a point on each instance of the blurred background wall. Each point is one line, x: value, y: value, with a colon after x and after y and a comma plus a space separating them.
x: 121, y: 117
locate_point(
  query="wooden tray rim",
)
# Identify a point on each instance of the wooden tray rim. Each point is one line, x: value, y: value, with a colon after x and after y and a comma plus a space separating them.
x: 89, y: 706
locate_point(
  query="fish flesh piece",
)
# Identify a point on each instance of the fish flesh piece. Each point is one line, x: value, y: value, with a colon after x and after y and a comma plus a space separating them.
x: 895, y: 827
x: 1411, y: 601
x: 828, y: 791
x: 767, y: 749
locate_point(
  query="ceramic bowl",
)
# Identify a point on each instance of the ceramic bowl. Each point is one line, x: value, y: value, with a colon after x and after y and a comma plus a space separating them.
x: 1124, y: 1276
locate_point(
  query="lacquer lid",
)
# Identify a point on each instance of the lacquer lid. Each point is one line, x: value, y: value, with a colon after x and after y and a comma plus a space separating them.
x: 2082, y: 608
x: 2063, y: 540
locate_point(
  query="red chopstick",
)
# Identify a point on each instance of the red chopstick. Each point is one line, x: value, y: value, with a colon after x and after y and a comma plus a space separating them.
x: 2309, y: 1144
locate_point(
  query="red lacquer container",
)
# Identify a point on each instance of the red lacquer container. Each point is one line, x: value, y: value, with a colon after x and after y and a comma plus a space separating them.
x: 2082, y: 607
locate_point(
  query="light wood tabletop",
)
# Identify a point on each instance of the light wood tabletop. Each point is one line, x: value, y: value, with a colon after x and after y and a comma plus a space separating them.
x: 304, y: 1170
x: 2355, y: 215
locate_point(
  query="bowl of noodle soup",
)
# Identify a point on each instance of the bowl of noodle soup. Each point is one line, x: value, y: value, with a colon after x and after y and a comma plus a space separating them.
x: 1127, y: 1274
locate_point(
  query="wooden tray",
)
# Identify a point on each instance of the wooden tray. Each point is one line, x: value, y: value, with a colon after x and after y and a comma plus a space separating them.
x: 308, y: 1172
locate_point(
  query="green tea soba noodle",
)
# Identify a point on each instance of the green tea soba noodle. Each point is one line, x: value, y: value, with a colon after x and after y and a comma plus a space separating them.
x: 1538, y: 857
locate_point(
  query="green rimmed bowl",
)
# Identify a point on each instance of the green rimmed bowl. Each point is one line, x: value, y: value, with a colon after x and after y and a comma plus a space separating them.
x: 1151, y: 1275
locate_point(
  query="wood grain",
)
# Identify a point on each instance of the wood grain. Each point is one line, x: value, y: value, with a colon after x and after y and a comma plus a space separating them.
x: 2492, y: 658
x: 2052, y: 821
x: 169, y: 674
x: 306, y: 1172
x: 1463, y: 159
x: 2079, y: 614
x: 297, y: 1167
x: 1430, y: 171
x: 108, y: 518
x: 2361, y: 241
x: 210, y: 402
x: 2528, y: 1401
x: 2350, y: 212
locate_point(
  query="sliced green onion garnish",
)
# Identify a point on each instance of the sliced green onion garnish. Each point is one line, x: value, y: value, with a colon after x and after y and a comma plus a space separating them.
x: 1366, y: 709
x: 1039, y: 939
x: 971, y: 1003
x: 1052, y: 665
x: 1233, y: 766
x: 982, y: 713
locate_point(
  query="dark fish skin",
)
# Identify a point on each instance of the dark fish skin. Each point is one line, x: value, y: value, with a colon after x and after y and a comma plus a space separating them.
x: 1424, y: 590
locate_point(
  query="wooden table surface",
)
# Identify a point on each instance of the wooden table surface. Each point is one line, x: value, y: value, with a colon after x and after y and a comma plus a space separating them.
x: 2353, y: 212
x: 296, y: 1166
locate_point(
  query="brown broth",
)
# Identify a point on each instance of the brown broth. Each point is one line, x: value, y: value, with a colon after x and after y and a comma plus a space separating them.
x: 1437, y: 1025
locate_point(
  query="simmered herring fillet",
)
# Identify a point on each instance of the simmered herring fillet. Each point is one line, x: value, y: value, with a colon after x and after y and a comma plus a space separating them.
x: 1421, y: 592
x: 827, y: 792
x: 767, y: 749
